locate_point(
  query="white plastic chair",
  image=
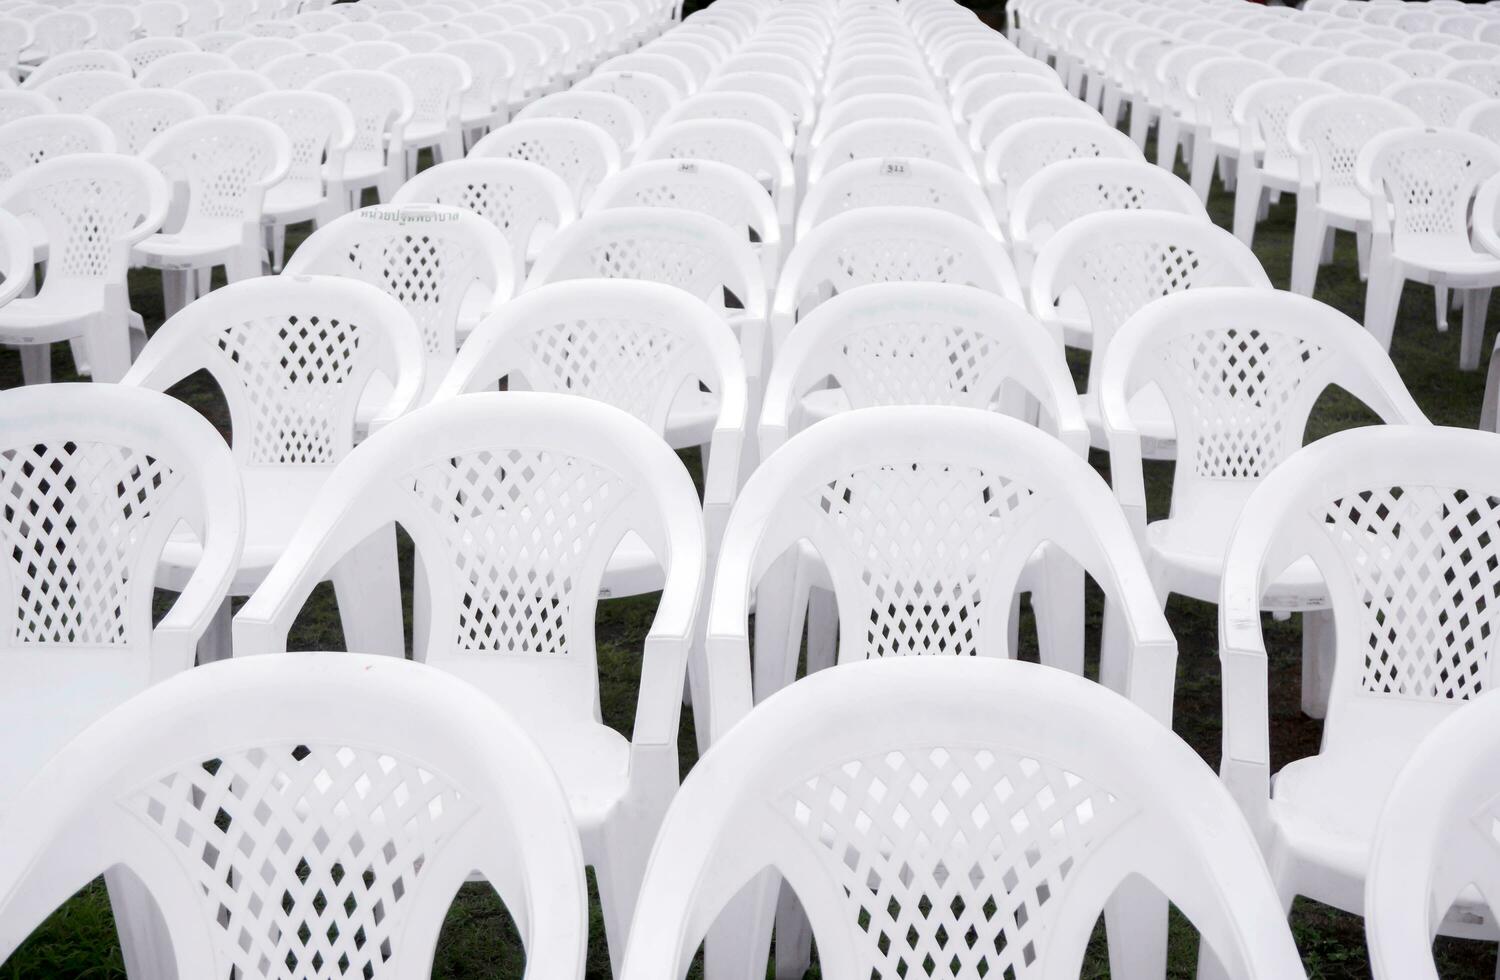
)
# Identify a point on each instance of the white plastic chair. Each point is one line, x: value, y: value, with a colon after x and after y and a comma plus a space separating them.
x: 220, y: 42
x: 90, y: 209
x: 273, y: 815
x: 433, y: 260
x: 1432, y: 846
x: 371, y: 55
x: 719, y: 190
x: 523, y: 200
x: 1398, y: 521
x: 611, y: 113
x: 794, y: 99
x: 1240, y: 371
x: 141, y: 53
x: 1120, y: 261
x: 486, y: 104
x: 141, y: 114
x: 742, y: 145
x: 1215, y: 86
x: 321, y: 130
x: 78, y: 91
x: 171, y: 70
x: 1436, y: 101
x: 876, y: 182
x: 907, y: 138
x: 1266, y: 165
x: 882, y: 106
x: 382, y: 106
x: 1421, y: 64
x: 1420, y: 183
x: 690, y: 251
x: 17, y: 104
x: 1027, y: 148
x: 887, y: 244
x: 294, y: 71
x: 651, y: 95
x: 579, y: 152
x: 517, y: 621
x: 1361, y: 76
x: 221, y: 91
x: 17, y: 257
x: 1481, y: 75
x: 113, y: 472
x: 292, y: 356
x: 438, y: 83
x: 1069, y: 189
x: 867, y: 819
x: 1326, y: 135
x: 744, y: 106
x: 75, y: 61
x: 27, y: 141
x: 227, y: 164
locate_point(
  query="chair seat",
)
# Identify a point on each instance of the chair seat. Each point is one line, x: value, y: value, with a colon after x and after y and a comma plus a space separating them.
x: 276, y: 498
x: 1344, y: 206
x: 293, y: 201
x: 177, y: 250
x: 1152, y: 418
x: 423, y: 132
x: 42, y: 319
x: 363, y: 165
x: 55, y: 694
x: 592, y: 762
x: 1188, y: 549
x: 1446, y: 260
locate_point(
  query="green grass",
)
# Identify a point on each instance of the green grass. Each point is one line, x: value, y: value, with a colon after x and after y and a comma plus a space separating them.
x: 478, y: 940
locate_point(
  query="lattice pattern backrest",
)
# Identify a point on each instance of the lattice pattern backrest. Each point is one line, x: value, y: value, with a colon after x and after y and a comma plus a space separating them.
x: 886, y: 256
x: 688, y: 192
x: 426, y: 273
x: 649, y: 100
x: 901, y: 192
x: 657, y: 255
x: 952, y: 860
x: 878, y: 142
x: 521, y: 528
x: 87, y: 217
x: 74, y: 519
x: 919, y: 361
x: 222, y: 91
x: 139, y: 122
x: 222, y: 169
x: 1430, y: 187
x: 1480, y: 75
x: 43, y: 144
x: 1218, y: 90
x: 310, y: 128
x: 434, y: 90
x: 924, y: 538
x: 621, y: 360
x: 1028, y: 156
x: 61, y: 32
x: 1338, y: 132
x: 577, y: 161
x: 1244, y: 392
x: 1096, y: 193
x: 1426, y: 563
x: 1270, y: 114
x: 613, y: 121
x: 742, y: 153
x: 1118, y: 278
x: 373, y: 109
x: 307, y: 857
x: 1437, y: 105
x: 78, y: 91
x: 297, y: 371
x: 511, y: 206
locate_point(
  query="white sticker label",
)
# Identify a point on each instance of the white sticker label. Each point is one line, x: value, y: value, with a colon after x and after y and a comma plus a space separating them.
x: 687, y: 167
x: 895, y: 168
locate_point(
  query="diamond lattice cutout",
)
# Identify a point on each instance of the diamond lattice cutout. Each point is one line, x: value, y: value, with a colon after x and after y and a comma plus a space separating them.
x: 1427, y: 565
x: 952, y: 860
x: 304, y: 855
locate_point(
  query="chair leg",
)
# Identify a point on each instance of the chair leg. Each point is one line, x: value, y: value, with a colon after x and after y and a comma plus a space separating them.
x: 739, y: 942
x: 1201, y: 169
x: 1140, y: 123
x: 367, y: 584
x: 1362, y: 251
x: 793, y: 947
x: 1166, y: 140
x: 776, y: 601
x: 1058, y: 606
x: 176, y: 289
x: 145, y: 945
x: 1135, y: 924
x: 109, y: 348
x: 1440, y: 301
x: 216, y: 645
x: 36, y: 364
x: 621, y: 867
x: 1307, y: 243
x: 1382, y: 300
x: 1249, y: 198
x: 1476, y: 311
x: 278, y: 246
x: 822, y: 630
x: 1318, y: 653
